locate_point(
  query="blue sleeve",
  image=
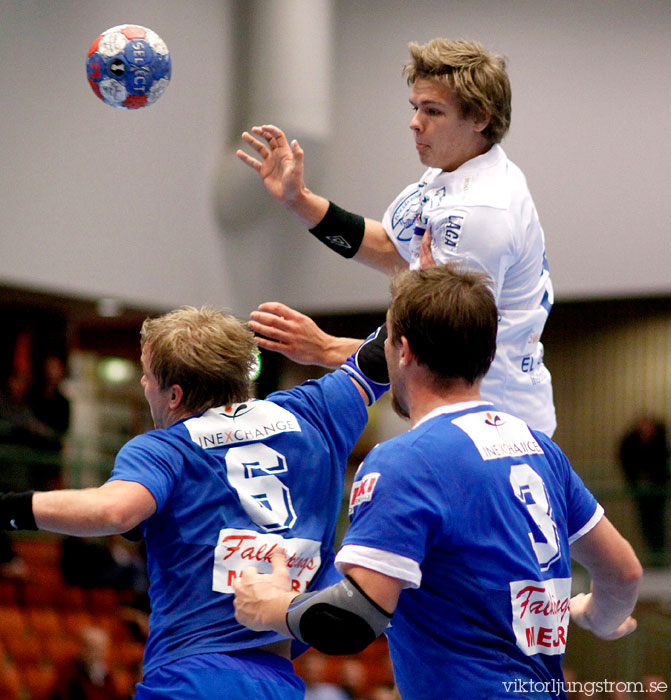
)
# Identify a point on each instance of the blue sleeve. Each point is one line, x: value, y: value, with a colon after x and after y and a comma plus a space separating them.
x: 148, y: 460
x: 396, y: 504
x: 333, y: 405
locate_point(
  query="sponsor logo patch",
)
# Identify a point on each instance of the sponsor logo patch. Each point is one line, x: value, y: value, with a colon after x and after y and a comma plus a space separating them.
x: 362, y: 490
x: 497, y: 435
x: 229, y: 425
x: 237, y: 550
x: 541, y: 615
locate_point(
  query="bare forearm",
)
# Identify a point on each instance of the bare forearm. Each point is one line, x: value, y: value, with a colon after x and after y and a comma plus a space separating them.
x: 377, y: 250
x: 308, y: 207
x: 610, y: 605
x: 74, y: 512
x: 337, y: 351
x: 113, y: 508
x: 280, y: 328
x: 615, y: 573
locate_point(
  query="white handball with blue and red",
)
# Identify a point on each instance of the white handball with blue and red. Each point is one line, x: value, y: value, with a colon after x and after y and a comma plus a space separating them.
x: 128, y: 66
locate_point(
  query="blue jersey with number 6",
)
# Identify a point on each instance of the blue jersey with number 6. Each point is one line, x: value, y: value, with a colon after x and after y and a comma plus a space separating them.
x: 475, y: 513
x: 231, y: 485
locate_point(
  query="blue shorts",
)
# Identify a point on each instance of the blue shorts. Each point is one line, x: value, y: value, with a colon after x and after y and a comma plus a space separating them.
x: 238, y: 675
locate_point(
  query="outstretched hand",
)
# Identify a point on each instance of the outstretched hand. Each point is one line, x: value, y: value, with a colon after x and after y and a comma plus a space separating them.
x: 579, y: 607
x: 281, y: 164
x: 282, y: 329
x: 261, y: 600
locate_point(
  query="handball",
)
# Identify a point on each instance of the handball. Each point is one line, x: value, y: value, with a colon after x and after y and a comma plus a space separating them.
x: 128, y: 66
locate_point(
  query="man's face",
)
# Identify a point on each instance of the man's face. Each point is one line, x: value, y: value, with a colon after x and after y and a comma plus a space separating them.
x: 443, y: 137
x: 157, y: 398
x: 391, y: 353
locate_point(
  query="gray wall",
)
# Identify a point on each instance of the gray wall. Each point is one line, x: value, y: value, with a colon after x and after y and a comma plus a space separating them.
x: 96, y: 201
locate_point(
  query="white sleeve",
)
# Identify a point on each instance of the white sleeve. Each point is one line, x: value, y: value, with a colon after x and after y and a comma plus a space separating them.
x: 598, y: 514
x: 386, y: 563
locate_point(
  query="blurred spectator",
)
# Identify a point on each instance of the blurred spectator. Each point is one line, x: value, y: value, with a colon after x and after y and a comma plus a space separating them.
x: 48, y: 403
x: 20, y: 427
x: 313, y: 671
x: 18, y: 423
x: 52, y: 409
x: 88, y: 677
x: 644, y: 456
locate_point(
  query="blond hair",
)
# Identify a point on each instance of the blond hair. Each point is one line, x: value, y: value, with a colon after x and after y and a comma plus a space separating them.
x: 209, y: 354
x: 476, y: 76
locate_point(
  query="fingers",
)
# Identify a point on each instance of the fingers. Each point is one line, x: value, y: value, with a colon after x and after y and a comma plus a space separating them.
x: 279, y: 560
x: 248, y: 160
x: 627, y: 627
x: 275, y: 137
x: 272, y: 133
x: 426, y: 258
x: 257, y: 145
x: 298, y: 152
x: 274, y: 320
x: 271, y: 345
x: 270, y: 325
x: 277, y: 308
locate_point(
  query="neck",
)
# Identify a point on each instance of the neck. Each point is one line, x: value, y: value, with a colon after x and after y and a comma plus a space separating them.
x: 424, y: 398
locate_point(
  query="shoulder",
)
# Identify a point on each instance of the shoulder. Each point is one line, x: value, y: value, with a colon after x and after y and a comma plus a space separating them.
x: 331, y: 394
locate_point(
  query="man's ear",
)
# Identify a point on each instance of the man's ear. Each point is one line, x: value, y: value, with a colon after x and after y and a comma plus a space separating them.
x: 481, y: 121
x: 176, y: 396
x: 406, y: 355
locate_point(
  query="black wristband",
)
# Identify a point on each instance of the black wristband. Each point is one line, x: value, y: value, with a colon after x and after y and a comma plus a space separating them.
x: 340, y: 230
x: 370, y: 356
x: 16, y: 511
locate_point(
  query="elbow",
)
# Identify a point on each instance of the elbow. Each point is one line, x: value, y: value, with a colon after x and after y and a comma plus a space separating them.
x: 117, y: 518
x: 633, y: 573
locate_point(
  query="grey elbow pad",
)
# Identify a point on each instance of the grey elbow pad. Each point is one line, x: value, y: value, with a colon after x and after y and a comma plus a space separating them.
x: 340, y: 619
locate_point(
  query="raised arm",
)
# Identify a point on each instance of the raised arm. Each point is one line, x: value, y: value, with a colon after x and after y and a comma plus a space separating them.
x: 280, y: 167
x: 280, y: 328
x: 616, y: 573
x: 299, y: 338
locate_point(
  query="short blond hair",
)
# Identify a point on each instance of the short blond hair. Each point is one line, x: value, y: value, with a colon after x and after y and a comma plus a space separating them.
x: 208, y: 353
x: 477, y: 77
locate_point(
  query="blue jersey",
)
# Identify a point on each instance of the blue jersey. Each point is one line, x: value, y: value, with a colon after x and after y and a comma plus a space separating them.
x: 475, y: 513
x: 232, y: 484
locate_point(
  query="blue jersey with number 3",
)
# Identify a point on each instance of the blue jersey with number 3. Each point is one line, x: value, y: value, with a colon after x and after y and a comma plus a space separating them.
x: 231, y: 485
x: 475, y: 513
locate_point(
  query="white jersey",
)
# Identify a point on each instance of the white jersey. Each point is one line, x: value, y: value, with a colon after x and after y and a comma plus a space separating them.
x: 483, y: 215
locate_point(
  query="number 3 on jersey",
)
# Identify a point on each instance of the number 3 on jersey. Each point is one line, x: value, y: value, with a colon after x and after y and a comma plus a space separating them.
x: 251, y: 472
x: 530, y: 490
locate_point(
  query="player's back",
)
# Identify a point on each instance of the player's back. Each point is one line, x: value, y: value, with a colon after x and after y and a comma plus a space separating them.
x: 231, y: 485
x: 499, y: 504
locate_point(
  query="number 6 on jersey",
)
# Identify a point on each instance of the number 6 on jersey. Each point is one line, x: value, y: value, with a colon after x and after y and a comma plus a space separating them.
x: 267, y: 501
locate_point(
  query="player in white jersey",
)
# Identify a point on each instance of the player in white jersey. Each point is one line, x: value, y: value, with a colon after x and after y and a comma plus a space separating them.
x: 462, y: 529
x: 471, y: 205
x: 223, y: 480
